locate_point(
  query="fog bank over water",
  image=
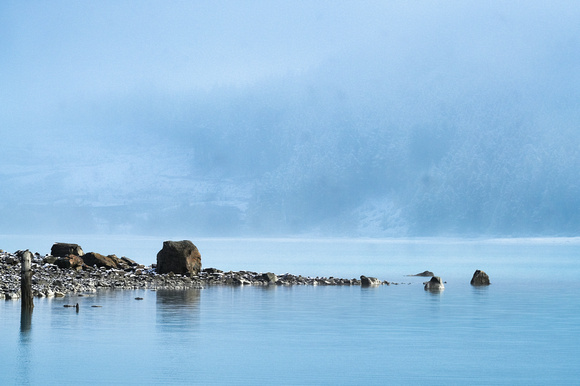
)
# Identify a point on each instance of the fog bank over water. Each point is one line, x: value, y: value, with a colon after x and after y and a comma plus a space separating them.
x: 330, y: 119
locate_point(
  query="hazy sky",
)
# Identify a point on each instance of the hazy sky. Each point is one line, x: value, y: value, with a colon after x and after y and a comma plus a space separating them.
x: 58, y: 57
x: 109, y: 103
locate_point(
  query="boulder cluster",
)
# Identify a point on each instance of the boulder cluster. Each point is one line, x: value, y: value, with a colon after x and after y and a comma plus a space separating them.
x: 65, y: 255
x: 51, y: 279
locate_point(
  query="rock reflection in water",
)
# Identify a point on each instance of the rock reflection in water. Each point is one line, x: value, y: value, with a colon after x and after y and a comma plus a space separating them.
x: 177, y: 309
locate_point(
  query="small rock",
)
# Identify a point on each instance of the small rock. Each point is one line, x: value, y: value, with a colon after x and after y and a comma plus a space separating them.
x: 435, y: 284
x: 369, y: 281
x: 269, y: 277
x: 424, y: 274
x: 12, y: 295
x: 480, y: 278
x: 11, y: 260
x: 129, y: 262
x: 211, y: 270
x: 49, y: 259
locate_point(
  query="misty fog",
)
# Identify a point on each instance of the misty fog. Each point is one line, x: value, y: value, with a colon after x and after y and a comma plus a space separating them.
x: 369, y: 120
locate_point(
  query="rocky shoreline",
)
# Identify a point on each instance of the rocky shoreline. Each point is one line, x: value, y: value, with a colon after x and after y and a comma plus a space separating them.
x: 57, y: 277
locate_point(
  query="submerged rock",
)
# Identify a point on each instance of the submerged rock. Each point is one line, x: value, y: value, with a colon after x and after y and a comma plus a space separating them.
x: 424, y: 274
x: 480, y: 278
x: 435, y: 284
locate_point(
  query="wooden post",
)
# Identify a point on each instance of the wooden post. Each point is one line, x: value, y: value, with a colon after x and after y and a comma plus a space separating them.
x: 26, y: 281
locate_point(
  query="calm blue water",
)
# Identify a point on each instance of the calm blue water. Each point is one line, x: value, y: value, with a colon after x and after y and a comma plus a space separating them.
x: 523, y: 329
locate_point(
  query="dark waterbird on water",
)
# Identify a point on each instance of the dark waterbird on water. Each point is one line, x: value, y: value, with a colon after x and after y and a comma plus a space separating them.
x: 72, y: 306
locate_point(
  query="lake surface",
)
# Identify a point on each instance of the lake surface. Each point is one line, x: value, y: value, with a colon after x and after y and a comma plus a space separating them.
x: 523, y: 329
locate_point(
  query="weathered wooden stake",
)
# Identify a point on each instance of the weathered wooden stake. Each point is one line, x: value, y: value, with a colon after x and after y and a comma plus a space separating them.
x: 26, y: 281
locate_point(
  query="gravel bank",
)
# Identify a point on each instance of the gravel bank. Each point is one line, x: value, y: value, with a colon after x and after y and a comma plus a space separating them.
x: 49, y: 280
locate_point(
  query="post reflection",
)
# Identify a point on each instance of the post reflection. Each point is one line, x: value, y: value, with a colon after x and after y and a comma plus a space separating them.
x: 24, y: 349
x: 25, y: 322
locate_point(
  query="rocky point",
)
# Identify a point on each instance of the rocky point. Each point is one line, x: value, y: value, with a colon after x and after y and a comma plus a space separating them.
x: 73, y: 271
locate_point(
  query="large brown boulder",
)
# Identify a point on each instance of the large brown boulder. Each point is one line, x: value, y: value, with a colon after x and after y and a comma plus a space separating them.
x: 480, y: 278
x: 179, y: 257
x: 93, y: 258
x: 65, y: 249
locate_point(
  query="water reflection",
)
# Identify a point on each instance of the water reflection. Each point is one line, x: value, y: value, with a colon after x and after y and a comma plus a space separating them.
x: 436, y: 293
x: 24, y: 347
x: 369, y: 289
x: 480, y: 294
x: 480, y: 289
x: 271, y: 287
x: 181, y: 298
x: 25, y: 323
x: 177, y: 309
